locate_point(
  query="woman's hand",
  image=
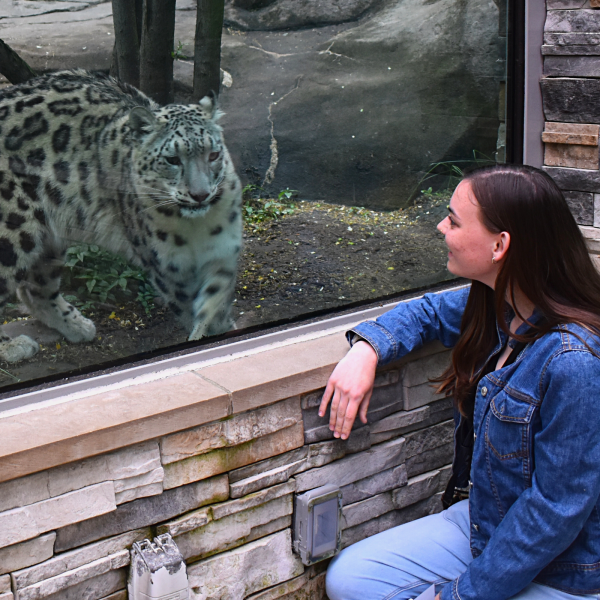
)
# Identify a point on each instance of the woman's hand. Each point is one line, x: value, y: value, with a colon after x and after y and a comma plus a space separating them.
x: 349, y: 388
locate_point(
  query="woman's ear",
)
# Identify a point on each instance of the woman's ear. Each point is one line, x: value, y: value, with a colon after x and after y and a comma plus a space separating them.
x: 501, y: 246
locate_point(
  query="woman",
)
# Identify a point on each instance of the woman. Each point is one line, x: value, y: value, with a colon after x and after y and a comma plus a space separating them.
x: 525, y: 378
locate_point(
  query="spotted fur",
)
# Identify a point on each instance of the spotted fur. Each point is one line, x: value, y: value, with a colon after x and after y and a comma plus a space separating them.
x: 85, y: 158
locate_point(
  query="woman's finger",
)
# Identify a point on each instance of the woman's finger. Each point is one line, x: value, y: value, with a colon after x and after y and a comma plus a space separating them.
x: 351, y: 410
x: 335, y: 401
x: 341, y: 415
x: 326, y: 397
x: 364, y: 406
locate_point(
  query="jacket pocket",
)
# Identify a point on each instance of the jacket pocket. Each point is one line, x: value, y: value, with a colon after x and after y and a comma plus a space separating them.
x: 508, y: 426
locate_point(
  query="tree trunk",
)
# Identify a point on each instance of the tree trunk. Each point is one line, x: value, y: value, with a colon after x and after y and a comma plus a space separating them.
x: 156, y: 60
x: 207, y: 48
x: 127, y: 42
x: 12, y: 66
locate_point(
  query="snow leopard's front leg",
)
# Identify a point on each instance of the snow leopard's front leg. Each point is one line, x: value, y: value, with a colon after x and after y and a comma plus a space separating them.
x: 41, y: 296
x: 212, y: 305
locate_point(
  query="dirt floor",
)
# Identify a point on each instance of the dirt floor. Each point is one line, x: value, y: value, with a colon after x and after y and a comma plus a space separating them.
x: 318, y: 257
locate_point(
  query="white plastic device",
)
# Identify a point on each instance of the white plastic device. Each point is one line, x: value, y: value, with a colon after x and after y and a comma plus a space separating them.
x: 157, y: 571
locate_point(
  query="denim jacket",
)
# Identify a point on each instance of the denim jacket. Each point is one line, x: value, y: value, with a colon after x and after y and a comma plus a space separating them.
x: 535, y: 475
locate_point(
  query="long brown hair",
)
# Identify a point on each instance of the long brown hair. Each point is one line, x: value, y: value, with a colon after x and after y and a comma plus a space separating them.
x: 547, y: 260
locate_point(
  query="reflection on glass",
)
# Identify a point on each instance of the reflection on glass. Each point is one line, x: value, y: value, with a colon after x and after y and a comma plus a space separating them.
x: 125, y: 229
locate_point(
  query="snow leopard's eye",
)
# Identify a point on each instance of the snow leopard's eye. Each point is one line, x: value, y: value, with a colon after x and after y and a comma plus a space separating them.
x: 213, y: 156
x: 173, y: 160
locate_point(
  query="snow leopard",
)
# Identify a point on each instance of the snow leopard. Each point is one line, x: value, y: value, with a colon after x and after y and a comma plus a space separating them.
x: 85, y: 158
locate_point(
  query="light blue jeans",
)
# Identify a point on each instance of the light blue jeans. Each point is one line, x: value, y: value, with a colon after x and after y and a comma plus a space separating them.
x: 403, y: 562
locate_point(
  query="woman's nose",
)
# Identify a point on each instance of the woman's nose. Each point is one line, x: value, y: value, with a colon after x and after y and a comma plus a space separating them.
x: 442, y: 225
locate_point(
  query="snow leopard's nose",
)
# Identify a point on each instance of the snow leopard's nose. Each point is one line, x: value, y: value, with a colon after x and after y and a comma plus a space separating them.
x: 199, y: 198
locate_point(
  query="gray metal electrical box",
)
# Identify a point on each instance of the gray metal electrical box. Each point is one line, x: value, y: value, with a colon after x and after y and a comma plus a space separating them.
x: 317, y: 523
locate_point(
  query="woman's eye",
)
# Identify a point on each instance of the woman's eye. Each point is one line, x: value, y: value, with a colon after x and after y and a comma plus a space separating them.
x: 213, y: 156
x: 173, y: 160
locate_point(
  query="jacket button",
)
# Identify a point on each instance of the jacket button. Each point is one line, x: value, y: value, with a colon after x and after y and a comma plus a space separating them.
x: 475, y: 527
x: 474, y: 436
x: 470, y: 484
x: 484, y: 391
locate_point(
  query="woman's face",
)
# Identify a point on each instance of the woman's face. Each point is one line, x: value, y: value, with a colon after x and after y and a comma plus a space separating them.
x: 471, y: 246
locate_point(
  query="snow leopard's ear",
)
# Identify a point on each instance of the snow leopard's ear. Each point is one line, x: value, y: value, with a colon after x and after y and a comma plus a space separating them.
x: 210, y: 107
x: 142, y: 121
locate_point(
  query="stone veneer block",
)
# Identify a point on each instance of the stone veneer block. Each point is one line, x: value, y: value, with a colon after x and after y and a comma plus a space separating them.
x: 429, y: 438
x: 120, y: 595
x: 143, y: 491
x: 572, y: 66
x: 375, y: 484
x: 239, y: 573
x: 144, y: 512
x: 418, y: 391
x: 354, y: 467
x: 292, y: 370
x: 421, y: 487
x: 430, y: 460
x: 131, y: 483
x: 59, y: 583
x: 575, y: 179
x: 596, y: 223
x: 99, y: 424
x: 206, y: 465
x: 300, y: 588
x: 572, y: 40
x: 69, y: 561
x: 401, y: 419
x: 199, y: 518
x: 581, y: 134
x: 563, y: 4
x: 24, y: 491
x: 366, y: 510
x: 236, y: 529
x: 592, y: 238
x: 7, y: 596
x: 234, y: 506
x: 4, y: 584
x: 25, y: 554
x: 96, y: 588
x: 231, y: 432
x: 317, y: 455
x: 567, y: 21
x: 581, y: 205
x: 391, y: 519
x: 572, y: 145
x: 571, y: 99
x: 590, y: 50
x: 576, y: 157
x: 268, y: 464
x: 20, y: 524
x: 123, y: 466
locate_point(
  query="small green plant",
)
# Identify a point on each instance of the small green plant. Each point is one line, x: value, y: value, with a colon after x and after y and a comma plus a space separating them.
x: 178, y: 54
x: 453, y: 171
x: 100, y: 275
x: 257, y: 210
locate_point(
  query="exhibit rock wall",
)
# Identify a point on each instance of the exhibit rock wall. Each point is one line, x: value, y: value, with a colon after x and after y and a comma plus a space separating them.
x: 354, y: 104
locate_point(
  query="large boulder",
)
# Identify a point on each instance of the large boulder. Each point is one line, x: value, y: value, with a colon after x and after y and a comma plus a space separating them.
x: 284, y: 14
x: 356, y: 113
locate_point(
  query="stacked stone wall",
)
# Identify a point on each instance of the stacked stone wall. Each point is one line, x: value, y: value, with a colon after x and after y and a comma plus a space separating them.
x: 225, y: 492
x: 570, y: 93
